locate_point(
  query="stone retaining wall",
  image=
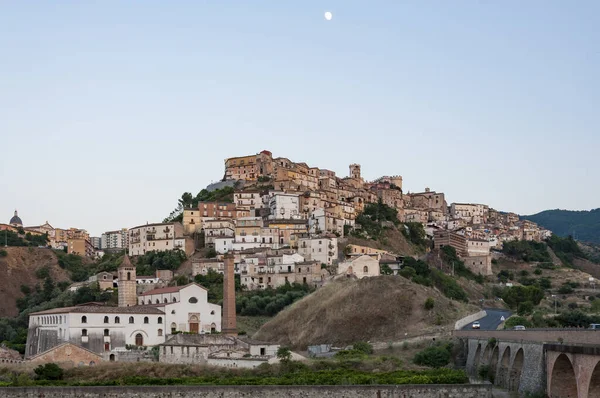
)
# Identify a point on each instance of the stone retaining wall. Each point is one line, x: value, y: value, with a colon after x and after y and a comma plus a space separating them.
x: 461, y: 323
x: 402, y: 391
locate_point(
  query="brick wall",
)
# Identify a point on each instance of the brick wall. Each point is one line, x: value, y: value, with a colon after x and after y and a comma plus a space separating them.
x: 421, y: 391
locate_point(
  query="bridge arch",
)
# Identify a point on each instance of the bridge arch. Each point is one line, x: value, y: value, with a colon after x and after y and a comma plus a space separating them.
x: 514, y: 380
x: 564, y: 380
x: 494, y: 363
x: 504, y: 368
x: 594, y: 387
x: 487, y: 354
x: 477, y: 358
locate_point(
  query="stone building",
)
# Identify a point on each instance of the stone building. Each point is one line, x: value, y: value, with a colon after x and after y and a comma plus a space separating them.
x: 68, y: 355
x: 443, y: 238
x: 218, y: 350
x: 361, y: 267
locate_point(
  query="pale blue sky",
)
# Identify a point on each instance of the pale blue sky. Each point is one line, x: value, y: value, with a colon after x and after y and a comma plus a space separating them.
x: 109, y: 110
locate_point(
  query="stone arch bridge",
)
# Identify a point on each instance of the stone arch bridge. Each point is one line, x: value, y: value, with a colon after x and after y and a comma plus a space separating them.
x: 559, y: 362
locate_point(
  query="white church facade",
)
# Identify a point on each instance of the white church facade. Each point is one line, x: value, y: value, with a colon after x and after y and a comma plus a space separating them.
x: 144, y: 320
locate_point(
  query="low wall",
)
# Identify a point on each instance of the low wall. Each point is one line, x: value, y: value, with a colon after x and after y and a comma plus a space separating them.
x: 421, y: 391
x: 461, y: 323
x: 566, y: 336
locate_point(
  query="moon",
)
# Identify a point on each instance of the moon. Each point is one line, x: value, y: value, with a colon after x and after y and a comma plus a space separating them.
x: 328, y: 15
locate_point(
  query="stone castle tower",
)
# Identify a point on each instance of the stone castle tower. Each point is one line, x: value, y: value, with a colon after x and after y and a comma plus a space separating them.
x: 127, y: 284
x: 228, y: 321
x: 355, y: 171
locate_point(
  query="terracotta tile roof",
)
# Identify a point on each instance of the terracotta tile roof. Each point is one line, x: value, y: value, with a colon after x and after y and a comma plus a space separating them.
x: 170, y: 289
x: 138, y: 309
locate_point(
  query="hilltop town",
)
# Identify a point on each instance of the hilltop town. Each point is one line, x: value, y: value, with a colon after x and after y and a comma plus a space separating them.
x: 282, y: 220
x: 283, y: 229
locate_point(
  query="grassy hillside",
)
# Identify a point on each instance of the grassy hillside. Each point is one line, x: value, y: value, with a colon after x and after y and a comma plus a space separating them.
x: 382, y: 308
x: 584, y: 225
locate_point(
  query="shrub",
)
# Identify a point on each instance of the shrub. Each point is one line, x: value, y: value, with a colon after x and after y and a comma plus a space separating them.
x: 434, y: 357
x: 537, y: 271
x: 516, y: 320
x: 3, y: 253
x: 408, y: 272
x: 524, y: 273
x: 363, y: 347
x: 565, y: 289
x: 429, y: 303
x: 525, y: 308
x: 484, y: 372
x: 49, y: 371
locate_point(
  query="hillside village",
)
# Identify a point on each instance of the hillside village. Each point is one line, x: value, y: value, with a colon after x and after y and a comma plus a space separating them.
x: 274, y: 223
x: 282, y: 220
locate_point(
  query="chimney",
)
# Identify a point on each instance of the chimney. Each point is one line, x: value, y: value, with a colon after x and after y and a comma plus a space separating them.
x: 228, y: 321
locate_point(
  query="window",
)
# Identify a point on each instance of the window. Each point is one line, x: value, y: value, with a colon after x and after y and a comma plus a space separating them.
x: 117, y: 319
x: 365, y: 269
x: 146, y: 319
x: 84, y: 319
x: 129, y: 276
x: 166, y: 301
x: 131, y: 319
x: 84, y: 333
x: 173, y: 328
x: 106, y: 332
x: 193, y: 300
x: 262, y: 351
x: 157, y: 301
x: 160, y: 332
x: 174, y: 300
x: 212, y: 312
x: 160, y: 319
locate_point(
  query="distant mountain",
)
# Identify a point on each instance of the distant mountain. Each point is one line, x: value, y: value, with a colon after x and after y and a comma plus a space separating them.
x: 583, y: 225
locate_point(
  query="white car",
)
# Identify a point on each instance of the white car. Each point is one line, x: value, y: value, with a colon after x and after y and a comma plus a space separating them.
x: 476, y: 325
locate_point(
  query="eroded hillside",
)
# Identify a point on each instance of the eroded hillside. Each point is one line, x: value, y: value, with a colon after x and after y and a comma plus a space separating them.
x: 382, y: 308
x: 18, y: 268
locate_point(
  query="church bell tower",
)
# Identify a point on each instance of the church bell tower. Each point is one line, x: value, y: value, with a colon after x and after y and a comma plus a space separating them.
x: 127, y: 284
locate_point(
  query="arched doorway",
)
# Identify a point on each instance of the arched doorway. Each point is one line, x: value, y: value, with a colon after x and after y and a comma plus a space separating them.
x: 515, y: 371
x: 194, y: 323
x: 111, y: 358
x: 494, y: 364
x: 504, y: 368
x: 139, y: 339
x: 477, y: 359
x: 594, y: 388
x: 564, y: 383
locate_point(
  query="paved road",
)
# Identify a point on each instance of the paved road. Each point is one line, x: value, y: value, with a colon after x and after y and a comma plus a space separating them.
x: 492, y: 320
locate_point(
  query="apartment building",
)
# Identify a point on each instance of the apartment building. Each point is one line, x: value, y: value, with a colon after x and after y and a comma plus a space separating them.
x: 115, y: 240
x: 156, y: 237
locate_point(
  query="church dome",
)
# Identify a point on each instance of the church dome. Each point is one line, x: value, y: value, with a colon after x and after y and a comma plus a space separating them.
x: 16, y: 220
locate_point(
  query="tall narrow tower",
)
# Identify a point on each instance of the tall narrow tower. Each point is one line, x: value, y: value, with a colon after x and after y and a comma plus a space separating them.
x: 127, y: 284
x: 228, y: 321
x: 355, y: 171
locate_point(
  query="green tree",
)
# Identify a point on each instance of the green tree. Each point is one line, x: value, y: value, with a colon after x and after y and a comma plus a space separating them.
x: 435, y: 357
x: 515, y: 321
x: 525, y: 308
x: 284, y: 354
x: 49, y: 371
